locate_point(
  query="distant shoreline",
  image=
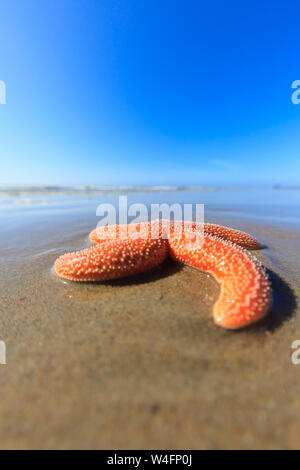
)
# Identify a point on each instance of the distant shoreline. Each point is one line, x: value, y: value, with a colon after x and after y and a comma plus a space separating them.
x: 109, y: 189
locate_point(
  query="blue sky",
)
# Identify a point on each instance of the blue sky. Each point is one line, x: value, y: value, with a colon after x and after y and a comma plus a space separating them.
x: 149, y: 92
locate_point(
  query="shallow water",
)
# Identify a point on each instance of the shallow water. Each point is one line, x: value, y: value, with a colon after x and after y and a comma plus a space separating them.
x: 270, y: 214
x: 139, y: 363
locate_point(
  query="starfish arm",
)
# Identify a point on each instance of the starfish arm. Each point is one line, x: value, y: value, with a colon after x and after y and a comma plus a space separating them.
x: 103, y: 234
x: 121, y: 251
x: 238, y: 237
x: 111, y: 260
x: 245, y: 295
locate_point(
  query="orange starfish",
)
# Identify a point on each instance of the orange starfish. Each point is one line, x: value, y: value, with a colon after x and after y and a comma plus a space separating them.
x: 245, y: 295
x: 245, y: 289
x: 243, y: 239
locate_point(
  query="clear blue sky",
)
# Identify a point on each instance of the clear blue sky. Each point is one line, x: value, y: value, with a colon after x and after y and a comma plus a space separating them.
x: 149, y: 92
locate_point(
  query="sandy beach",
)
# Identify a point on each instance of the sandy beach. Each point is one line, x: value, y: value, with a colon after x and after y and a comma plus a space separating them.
x: 138, y: 363
x: 136, y: 112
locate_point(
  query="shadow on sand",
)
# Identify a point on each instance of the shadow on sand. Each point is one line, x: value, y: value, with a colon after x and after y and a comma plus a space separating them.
x: 165, y: 269
x: 283, y: 306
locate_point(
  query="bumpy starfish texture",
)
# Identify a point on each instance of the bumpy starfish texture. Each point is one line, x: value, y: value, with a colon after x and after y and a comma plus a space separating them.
x: 102, y: 234
x: 112, y: 260
x: 121, y: 251
x: 245, y: 295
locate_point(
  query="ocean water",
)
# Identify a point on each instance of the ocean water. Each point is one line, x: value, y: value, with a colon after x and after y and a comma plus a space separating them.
x: 34, y: 221
x: 261, y: 205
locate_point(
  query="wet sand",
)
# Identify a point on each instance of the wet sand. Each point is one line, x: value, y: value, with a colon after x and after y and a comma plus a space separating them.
x: 139, y: 363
